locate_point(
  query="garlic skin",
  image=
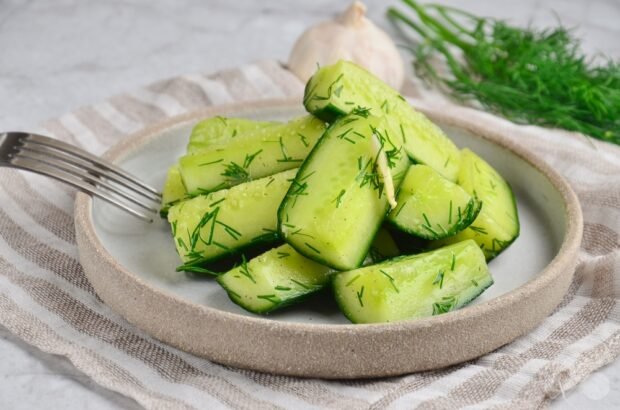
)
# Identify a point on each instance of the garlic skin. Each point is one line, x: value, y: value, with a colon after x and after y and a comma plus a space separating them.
x: 350, y: 36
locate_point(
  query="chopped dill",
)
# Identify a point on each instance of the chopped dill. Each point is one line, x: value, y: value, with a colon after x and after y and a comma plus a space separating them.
x: 338, y: 199
x: 245, y: 270
x: 356, y: 277
x: 360, y: 295
x: 439, y: 278
x: 446, y: 304
x: 312, y: 247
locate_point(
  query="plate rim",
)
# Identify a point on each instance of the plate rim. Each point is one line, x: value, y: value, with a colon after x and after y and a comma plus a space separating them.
x: 560, y: 267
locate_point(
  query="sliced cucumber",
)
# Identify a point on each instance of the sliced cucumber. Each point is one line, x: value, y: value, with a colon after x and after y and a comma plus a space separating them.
x: 497, y: 225
x: 338, y: 199
x: 174, y: 190
x: 337, y: 89
x: 275, y: 279
x: 432, y: 207
x: 266, y: 151
x: 413, y: 286
x: 383, y: 247
x: 208, y: 227
x: 220, y: 130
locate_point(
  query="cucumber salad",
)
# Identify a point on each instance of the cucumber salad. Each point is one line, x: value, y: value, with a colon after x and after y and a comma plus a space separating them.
x: 363, y: 196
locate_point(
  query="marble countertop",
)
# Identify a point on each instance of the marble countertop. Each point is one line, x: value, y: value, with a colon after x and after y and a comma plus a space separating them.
x: 56, y: 56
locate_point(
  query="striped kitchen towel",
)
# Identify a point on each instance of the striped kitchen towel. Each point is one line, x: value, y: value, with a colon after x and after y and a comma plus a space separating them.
x: 46, y: 300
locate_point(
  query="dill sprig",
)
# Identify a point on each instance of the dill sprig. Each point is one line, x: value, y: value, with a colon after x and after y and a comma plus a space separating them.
x: 526, y: 75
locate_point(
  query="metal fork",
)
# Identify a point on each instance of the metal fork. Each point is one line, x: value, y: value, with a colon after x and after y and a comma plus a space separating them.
x: 82, y: 170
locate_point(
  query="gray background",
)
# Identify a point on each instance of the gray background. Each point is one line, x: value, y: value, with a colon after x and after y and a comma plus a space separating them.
x: 58, y: 55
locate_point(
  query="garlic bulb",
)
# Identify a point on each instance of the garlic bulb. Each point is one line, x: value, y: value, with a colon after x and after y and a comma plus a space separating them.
x: 350, y: 36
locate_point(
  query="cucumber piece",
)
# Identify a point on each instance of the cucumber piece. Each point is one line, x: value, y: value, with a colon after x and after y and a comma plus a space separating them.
x: 383, y: 247
x: 266, y: 151
x: 209, y: 227
x: 497, y: 224
x: 277, y: 278
x: 337, y: 201
x: 413, y: 286
x: 220, y: 130
x: 337, y: 89
x: 432, y: 207
x: 174, y: 190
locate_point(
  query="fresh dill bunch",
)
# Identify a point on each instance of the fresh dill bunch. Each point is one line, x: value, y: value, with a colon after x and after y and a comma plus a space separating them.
x: 528, y: 76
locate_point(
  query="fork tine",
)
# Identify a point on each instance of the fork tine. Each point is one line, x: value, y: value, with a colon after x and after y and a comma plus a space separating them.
x: 67, y: 148
x: 83, y: 164
x: 84, y: 176
x: 29, y: 165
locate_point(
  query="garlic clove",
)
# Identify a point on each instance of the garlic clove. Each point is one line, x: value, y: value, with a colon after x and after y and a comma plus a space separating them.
x: 350, y: 36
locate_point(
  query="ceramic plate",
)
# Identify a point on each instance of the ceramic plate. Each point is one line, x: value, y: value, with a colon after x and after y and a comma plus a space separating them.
x: 132, y: 267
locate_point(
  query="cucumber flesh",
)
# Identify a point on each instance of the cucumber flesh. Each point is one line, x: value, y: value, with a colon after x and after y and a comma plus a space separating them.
x: 383, y: 247
x: 432, y: 207
x: 415, y: 286
x: 497, y: 224
x: 220, y: 130
x: 209, y: 227
x: 266, y: 151
x: 174, y: 190
x: 277, y: 278
x: 337, y: 89
x: 337, y: 201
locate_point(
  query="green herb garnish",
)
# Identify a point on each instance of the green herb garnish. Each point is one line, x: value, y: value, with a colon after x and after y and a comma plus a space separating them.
x: 527, y: 75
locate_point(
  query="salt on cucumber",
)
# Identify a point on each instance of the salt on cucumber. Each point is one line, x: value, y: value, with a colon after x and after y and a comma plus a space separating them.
x: 266, y: 151
x: 497, y: 224
x: 338, y: 199
x: 415, y: 286
x: 174, y: 190
x: 277, y: 278
x: 209, y: 227
x: 220, y: 130
x: 337, y: 89
x: 431, y: 206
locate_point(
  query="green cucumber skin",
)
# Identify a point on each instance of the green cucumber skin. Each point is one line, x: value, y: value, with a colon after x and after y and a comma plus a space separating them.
x: 413, y: 276
x: 231, y: 256
x: 173, y: 191
x: 232, y: 206
x: 383, y: 247
x: 422, y: 172
x: 282, y: 210
x: 428, y: 143
x: 500, y: 232
x: 472, y: 210
x: 250, y: 157
x: 233, y: 296
x: 282, y: 207
x: 220, y: 130
x: 249, y: 284
x: 351, y: 318
x: 492, y: 255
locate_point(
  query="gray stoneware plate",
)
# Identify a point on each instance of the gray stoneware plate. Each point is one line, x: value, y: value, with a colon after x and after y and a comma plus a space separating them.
x: 132, y: 267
